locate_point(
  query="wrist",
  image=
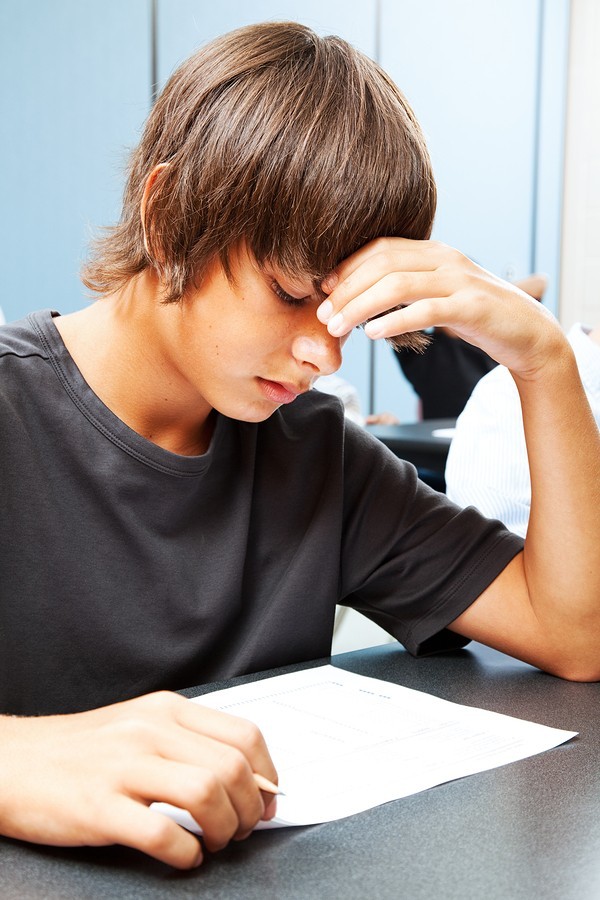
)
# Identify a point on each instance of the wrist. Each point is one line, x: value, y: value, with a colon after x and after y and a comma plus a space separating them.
x: 550, y: 361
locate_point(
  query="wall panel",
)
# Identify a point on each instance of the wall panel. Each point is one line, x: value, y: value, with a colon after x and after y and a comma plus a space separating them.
x: 486, y: 80
x: 74, y: 88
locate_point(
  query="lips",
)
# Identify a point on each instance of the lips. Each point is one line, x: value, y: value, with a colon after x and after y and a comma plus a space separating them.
x: 279, y: 391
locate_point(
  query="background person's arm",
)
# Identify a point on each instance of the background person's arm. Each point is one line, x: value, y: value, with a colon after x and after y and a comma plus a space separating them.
x: 487, y: 462
x: 545, y: 606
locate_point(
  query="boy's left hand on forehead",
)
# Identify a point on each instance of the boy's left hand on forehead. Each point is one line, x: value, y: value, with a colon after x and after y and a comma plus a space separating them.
x: 435, y: 285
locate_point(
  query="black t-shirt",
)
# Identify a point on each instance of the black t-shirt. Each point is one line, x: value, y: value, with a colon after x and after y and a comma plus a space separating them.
x: 126, y: 568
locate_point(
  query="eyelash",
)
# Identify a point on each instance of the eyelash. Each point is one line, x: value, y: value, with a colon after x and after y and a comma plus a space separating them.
x: 287, y: 298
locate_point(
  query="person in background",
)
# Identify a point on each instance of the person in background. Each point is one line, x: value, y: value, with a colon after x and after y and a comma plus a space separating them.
x: 487, y: 462
x: 444, y: 373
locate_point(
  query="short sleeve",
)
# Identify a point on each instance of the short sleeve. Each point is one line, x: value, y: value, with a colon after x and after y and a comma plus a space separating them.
x: 412, y: 560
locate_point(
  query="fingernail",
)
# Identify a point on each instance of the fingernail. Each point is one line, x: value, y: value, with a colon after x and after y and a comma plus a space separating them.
x: 324, y: 311
x: 329, y: 282
x: 373, y: 329
x: 336, y: 325
x: 198, y: 860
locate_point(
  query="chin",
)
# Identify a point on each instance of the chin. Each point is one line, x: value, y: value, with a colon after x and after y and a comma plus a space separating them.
x: 255, y: 413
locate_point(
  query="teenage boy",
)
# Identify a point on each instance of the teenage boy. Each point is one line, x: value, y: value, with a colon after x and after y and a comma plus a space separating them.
x: 179, y: 506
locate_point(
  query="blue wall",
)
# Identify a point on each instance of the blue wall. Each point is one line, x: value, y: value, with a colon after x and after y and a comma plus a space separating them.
x: 486, y: 79
x: 74, y: 81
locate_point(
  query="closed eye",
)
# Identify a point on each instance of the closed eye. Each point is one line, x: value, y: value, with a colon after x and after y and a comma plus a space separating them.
x: 287, y: 298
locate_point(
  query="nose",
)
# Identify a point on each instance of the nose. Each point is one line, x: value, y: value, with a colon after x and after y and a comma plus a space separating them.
x: 318, y: 349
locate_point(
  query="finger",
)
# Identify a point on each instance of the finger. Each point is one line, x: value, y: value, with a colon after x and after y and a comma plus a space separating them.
x: 227, y: 766
x: 444, y: 265
x: 165, y: 725
x: 235, y: 731
x: 401, y: 283
x: 200, y: 791
x: 201, y: 720
x: 418, y: 316
x: 415, y: 255
x: 388, y: 292
x: 234, y: 749
x: 153, y: 834
x: 270, y: 808
x: 269, y: 812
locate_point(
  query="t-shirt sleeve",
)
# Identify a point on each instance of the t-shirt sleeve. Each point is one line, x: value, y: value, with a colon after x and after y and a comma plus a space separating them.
x: 412, y: 561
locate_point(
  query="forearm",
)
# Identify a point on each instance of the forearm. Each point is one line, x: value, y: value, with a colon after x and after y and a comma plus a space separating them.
x: 545, y: 605
x: 561, y: 549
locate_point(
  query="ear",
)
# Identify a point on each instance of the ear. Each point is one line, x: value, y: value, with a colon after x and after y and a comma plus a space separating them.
x: 150, y: 181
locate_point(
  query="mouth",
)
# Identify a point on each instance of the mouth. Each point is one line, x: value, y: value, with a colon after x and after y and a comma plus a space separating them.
x: 280, y: 392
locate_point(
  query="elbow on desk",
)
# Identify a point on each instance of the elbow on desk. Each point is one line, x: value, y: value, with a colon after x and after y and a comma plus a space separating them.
x: 575, y: 668
x: 576, y: 653
x: 578, y: 674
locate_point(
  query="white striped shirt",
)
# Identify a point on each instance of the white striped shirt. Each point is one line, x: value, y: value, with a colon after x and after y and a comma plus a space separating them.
x: 487, y: 462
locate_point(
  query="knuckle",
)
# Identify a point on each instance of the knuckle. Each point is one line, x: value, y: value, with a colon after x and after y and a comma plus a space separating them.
x: 150, y: 705
x: 383, y: 244
x: 343, y: 289
x: 133, y: 729
x: 204, y: 794
x: 157, y: 835
x: 387, y: 258
x: 251, y: 737
x: 398, y: 281
x: 133, y: 726
x: 206, y: 790
x: 436, y: 307
x: 218, y: 838
x: 234, y: 766
x: 455, y: 257
x: 161, y: 699
x: 437, y: 245
x: 238, y: 769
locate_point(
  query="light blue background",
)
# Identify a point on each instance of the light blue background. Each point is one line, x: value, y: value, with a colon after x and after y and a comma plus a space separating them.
x: 486, y: 79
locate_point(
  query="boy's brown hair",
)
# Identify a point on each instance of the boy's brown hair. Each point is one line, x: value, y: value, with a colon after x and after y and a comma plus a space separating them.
x: 297, y: 144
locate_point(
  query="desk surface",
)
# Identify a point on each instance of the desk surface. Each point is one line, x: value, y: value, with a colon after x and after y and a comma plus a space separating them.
x: 527, y: 830
x: 416, y: 442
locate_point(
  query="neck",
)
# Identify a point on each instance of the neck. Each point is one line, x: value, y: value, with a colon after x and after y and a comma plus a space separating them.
x: 121, y: 346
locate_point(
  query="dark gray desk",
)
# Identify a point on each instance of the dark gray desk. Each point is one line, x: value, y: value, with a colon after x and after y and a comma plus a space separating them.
x: 525, y: 831
x: 416, y: 443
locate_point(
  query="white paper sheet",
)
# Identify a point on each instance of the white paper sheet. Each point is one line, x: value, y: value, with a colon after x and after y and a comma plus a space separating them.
x: 343, y: 743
